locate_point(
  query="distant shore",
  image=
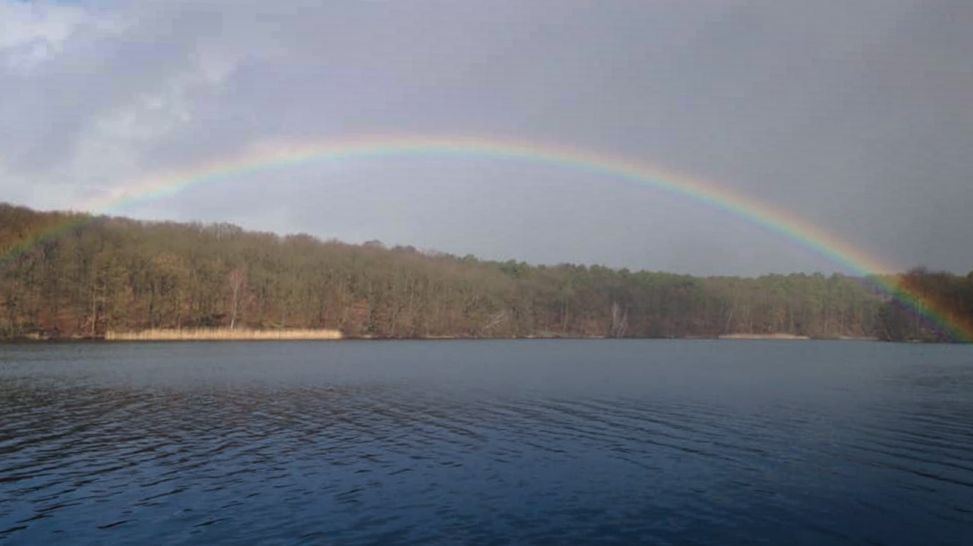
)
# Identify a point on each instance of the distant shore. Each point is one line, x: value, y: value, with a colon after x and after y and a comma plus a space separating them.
x: 127, y: 275
x: 251, y: 334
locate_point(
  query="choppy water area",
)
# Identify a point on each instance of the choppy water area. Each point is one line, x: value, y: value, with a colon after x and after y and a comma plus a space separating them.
x: 494, y: 442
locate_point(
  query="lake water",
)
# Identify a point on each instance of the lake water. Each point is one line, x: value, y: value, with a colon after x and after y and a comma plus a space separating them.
x: 492, y: 442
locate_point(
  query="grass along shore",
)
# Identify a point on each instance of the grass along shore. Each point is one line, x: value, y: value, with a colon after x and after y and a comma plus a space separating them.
x: 223, y: 334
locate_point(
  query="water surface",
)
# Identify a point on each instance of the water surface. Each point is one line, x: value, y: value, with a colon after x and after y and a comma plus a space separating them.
x: 494, y: 442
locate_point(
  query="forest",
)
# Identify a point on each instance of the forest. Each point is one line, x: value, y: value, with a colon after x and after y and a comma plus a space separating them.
x: 71, y: 275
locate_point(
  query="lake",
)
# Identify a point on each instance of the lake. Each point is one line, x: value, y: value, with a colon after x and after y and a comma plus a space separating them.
x: 486, y: 442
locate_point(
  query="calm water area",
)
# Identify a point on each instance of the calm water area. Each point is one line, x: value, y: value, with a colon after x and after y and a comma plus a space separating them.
x: 486, y: 442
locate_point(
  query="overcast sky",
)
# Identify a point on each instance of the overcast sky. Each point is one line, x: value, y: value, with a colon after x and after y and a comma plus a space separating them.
x: 855, y: 115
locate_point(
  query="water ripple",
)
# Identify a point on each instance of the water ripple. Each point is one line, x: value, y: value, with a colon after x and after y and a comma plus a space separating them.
x: 402, y: 443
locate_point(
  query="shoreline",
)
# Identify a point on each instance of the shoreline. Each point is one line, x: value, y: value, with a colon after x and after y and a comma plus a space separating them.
x: 250, y: 335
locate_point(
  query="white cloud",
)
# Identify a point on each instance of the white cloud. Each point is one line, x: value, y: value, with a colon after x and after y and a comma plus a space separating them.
x: 85, y: 91
x: 34, y: 32
x: 24, y: 22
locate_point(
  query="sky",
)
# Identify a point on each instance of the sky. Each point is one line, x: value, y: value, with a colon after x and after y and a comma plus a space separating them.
x: 855, y: 116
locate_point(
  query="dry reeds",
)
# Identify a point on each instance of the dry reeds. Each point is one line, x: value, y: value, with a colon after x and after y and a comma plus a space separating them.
x: 223, y: 334
x: 787, y: 337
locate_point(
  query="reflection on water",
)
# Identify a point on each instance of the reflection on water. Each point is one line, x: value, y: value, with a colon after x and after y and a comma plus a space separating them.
x: 486, y: 442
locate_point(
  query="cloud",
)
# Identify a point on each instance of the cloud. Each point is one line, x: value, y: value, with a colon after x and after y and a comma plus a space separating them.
x: 33, y: 33
x: 853, y: 117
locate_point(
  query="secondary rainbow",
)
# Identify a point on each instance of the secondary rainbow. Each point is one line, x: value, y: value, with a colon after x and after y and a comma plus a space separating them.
x: 281, y: 155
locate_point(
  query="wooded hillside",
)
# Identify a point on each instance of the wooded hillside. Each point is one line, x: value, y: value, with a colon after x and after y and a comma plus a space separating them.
x: 114, y: 274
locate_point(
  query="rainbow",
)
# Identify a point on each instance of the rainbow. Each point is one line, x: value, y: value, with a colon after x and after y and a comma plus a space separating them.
x: 281, y: 155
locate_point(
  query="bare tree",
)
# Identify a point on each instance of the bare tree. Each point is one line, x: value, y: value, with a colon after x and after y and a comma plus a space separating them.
x: 619, y: 321
x: 237, y: 280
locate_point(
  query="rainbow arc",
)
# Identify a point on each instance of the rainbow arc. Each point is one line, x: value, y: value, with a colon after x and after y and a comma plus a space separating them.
x: 283, y: 155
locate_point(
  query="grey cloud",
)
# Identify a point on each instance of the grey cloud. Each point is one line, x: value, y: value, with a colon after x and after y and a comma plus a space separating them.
x: 854, y: 116
x: 53, y: 106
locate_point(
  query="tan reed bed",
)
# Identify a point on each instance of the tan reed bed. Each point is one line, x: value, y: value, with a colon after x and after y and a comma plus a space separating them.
x: 223, y: 334
x: 786, y: 337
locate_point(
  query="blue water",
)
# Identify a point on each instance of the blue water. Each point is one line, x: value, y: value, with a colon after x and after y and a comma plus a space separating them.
x: 494, y: 442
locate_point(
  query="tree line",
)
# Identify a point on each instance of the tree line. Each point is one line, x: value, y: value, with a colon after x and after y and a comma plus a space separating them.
x: 100, y: 274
